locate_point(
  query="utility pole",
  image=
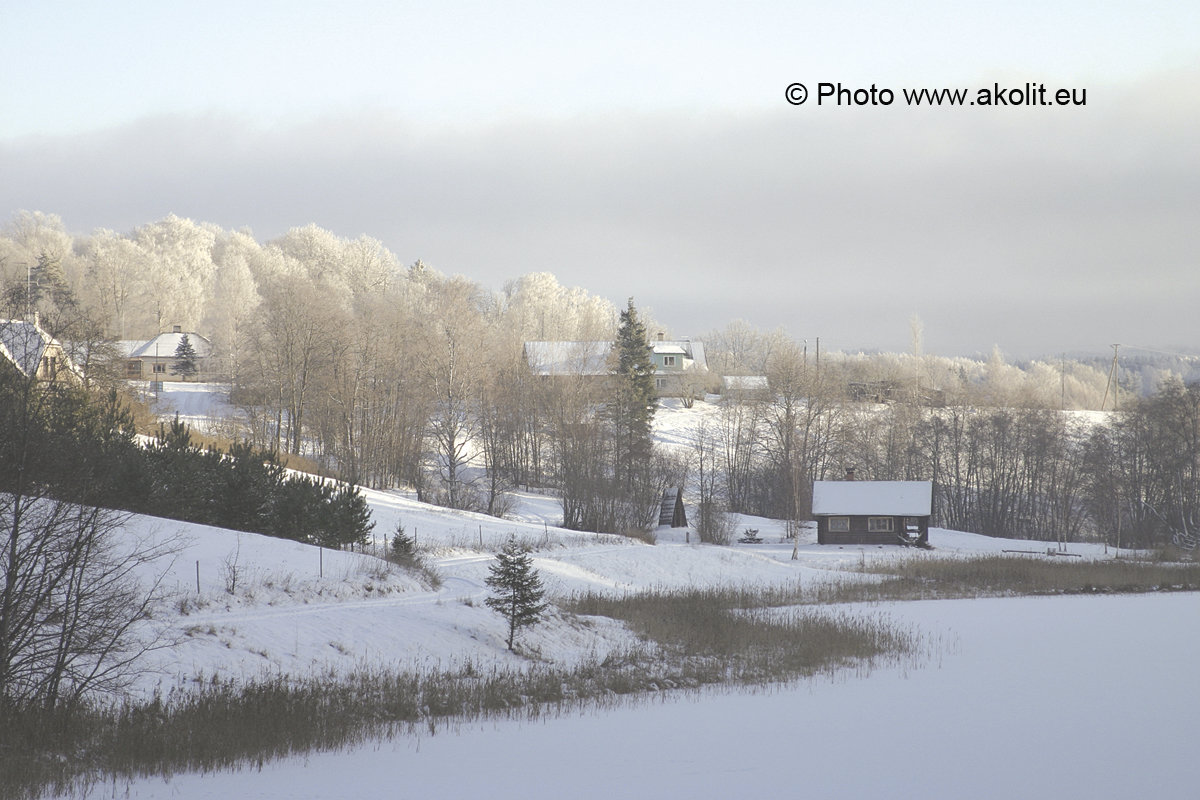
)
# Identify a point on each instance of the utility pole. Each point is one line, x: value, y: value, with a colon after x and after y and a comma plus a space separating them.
x: 28, y: 292
x: 1111, y: 372
x: 1062, y: 406
x: 795, y: 521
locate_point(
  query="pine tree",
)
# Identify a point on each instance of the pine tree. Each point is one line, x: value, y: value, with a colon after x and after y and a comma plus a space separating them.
x: 185, y: 359
x: 635, y: 398
x: 517, y: 589
x: 351, y: 516
x: 403, y: 547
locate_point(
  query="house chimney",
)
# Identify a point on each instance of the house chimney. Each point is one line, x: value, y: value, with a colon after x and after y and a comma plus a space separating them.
x: 176, y: 329
x: 849, y: 473
x: 661, y: 336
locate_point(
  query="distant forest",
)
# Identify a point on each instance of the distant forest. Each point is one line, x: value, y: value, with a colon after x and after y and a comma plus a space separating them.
x: 387, y: 374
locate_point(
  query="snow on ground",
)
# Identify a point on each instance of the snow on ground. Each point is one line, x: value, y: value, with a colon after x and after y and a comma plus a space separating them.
x: 244, y: 606
x: 203, y: 406
x: 1062, y: 697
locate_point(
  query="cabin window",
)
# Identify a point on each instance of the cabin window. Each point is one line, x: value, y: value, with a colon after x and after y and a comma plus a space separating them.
x: 160, y: 367
x: 839, y: 524
x: 880, y: 524
x: 133, y: 369
x: 668, y: 361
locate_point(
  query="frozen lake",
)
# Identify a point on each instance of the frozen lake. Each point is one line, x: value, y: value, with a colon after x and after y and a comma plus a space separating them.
x: 1070, y: 697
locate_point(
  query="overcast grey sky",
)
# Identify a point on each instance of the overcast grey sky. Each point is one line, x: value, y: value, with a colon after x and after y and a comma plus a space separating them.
x: 647, y: 149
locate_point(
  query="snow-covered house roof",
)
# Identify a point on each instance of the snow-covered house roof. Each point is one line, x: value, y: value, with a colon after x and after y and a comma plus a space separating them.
x: 25, y: 345
x: 165, y: 344
x: 22, y: 344
x: 892, y: 498
x: 127, y: 347
x: 568, y: 358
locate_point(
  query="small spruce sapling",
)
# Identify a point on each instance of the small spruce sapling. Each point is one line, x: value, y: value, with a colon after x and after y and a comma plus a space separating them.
x: 403, y: 549
x: 517, y: 591
x: 750, y: 536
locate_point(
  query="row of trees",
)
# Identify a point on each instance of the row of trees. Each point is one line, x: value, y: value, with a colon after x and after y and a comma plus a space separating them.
x: 1128, y: 477
x: 74, y: 445
x: 399, y: 375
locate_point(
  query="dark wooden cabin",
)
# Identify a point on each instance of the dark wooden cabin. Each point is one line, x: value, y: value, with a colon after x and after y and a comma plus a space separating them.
x: 872, y: 512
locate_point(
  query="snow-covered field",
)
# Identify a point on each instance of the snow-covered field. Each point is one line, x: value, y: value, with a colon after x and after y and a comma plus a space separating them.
x: 1048, y: 697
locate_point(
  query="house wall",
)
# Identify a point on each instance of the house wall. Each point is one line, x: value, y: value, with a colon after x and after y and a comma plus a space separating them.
x: 143, y: 369
x: 168, y: 367
x: 859, y: 532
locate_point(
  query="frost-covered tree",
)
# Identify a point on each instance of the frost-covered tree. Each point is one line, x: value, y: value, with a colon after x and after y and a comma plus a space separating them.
x: 180, y: 282
x: 234, y: 300
x: 454, y: 364
x: 116, y: 271
x: 517, y: 591
x: 537, y: 307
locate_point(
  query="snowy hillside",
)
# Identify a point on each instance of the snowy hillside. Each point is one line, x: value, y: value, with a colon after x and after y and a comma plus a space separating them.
x: 245, y: 606
x: 1025, y: 696
x: 268, y: 606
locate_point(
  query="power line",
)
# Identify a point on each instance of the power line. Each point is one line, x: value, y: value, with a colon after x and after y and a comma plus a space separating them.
x: 1160, y: 352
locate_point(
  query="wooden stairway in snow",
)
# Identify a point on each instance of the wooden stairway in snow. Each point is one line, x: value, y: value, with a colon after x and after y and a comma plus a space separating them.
x: 671, y: 512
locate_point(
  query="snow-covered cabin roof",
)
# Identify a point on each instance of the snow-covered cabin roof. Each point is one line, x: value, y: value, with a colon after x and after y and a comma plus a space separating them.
x: 669, y: 349
x: 23, y: 343
x: 746, y: 383
x: 568, y: 358
x: 165, y: 344
x: 893, y: 498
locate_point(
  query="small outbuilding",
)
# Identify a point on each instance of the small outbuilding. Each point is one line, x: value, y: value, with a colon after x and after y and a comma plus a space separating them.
x: 872, y: 512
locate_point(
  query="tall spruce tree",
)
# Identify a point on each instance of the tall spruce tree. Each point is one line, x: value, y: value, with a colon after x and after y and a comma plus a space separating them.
x: 634, y: 399
x: 185, y: 359
x: 517, y: 589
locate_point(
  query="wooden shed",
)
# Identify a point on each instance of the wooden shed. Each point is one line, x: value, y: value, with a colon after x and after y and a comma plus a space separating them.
x: 872, y: 512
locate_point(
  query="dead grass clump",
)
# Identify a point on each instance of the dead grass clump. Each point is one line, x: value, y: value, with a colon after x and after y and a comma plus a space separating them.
x: 1000, y: 575
x: 747, y: 634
